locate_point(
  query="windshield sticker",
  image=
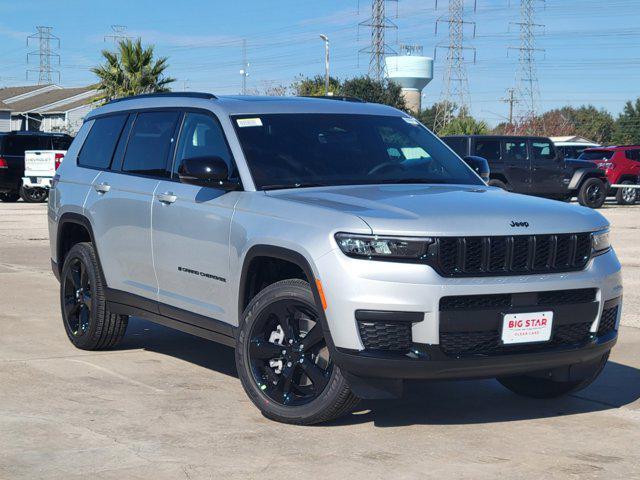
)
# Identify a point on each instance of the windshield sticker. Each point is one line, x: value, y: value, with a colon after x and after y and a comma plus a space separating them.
x: 410, y: 120
x: 249, y: 122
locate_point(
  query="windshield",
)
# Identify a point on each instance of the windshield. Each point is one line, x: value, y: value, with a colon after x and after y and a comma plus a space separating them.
x: 596, y: 155
x: 302, y: 150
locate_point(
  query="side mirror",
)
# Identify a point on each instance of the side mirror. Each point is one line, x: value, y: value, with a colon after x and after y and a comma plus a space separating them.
x: 206, y: 172
x: 479, y: 165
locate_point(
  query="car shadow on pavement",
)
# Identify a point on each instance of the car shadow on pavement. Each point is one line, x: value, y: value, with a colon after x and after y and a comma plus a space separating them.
x: 486, y: 401
x: 429, y: 403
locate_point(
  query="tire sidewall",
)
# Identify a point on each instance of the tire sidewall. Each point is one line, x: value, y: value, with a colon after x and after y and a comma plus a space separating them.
x: 84, y: 253
x: 278, y: 291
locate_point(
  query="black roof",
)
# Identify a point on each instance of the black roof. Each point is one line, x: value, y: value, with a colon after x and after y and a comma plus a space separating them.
x: 207, y: 96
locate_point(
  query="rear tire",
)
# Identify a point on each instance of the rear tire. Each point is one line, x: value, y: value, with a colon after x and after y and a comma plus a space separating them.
x: 34, y: 195
x: 497, y: 183
x: 87, y: 321
x: 627, y: 196
x: 536, y: 387
x: 290, y: 377
x: 592, y: 193
x: 9, y: 197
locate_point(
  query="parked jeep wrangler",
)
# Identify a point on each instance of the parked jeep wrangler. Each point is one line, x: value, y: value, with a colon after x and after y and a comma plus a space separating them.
x: 340, y: 247
x: 532, y: 165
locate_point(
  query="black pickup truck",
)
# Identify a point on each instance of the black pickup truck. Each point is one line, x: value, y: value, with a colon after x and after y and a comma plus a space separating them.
x: 532, y: 165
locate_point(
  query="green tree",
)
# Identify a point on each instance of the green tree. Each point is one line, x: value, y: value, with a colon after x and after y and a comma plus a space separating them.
x: 464, y: 125
x: 314, y: 87
x: 131, y: 70
x: 373, y: 91
x: 627, y: 129
x: 428, y: 116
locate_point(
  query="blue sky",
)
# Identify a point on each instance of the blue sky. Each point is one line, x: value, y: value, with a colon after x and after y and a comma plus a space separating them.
x: 592, y: 47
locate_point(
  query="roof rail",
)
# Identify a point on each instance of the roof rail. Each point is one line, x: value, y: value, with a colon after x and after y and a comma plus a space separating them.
x: 342, y: 98
x: 207, y: 96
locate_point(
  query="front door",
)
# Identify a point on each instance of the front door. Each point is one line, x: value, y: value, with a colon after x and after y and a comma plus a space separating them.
x: 191, y: 227
x: 517, y: 168
x: 547, y: 169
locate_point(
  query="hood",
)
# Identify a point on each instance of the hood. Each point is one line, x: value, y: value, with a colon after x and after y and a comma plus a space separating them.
x: 575, y: 163
x: 448, y: 210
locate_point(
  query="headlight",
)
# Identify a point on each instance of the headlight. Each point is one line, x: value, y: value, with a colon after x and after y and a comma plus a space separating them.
x: 600, y: 242
x: 378, y: 247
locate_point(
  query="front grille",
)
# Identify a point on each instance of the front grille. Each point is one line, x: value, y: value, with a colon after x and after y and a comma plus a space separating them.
x: 487, y: 343
x: 385, y: 336
x: 512, y: 255
x: 482, y: 302
x: 608, y: 321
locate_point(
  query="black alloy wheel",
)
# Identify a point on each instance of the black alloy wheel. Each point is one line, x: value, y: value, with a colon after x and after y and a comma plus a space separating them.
x: 9, y: 197
x: 77, y: 298
x: 34, y: 195
x: 288, y: 354
x: 592, y: 193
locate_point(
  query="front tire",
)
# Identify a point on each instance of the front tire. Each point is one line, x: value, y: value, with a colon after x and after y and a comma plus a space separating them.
x: 9, y: 197
x: 537, y: 387
x: 34, y: 195
x: 283, y: 359
x: 592, y: 193
x: 87, y: 321
x: 627, y: 196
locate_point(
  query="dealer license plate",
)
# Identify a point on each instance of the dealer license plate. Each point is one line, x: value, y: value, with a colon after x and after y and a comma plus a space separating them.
x: 527, y: 327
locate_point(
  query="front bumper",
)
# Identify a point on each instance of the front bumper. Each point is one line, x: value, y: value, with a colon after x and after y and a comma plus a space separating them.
x: 352, y: 285
x: 36, y: 182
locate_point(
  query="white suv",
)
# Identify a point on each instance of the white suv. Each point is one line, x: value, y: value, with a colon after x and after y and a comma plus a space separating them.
x: 339, y: 246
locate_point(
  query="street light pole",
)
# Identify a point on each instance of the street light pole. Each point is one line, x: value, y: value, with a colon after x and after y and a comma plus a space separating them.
x: 326, y: 63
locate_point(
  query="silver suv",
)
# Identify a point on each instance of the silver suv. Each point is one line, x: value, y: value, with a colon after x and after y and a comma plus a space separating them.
x: 339, y: 246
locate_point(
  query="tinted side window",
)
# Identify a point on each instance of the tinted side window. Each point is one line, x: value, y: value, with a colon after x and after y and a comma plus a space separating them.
x: 543, y: 151
x: 632, y: 154
x: 515, y: 151
x: 458, y: 145
x: 489, y: 149
x: 201, y: 136
x: 101, y: 141
x: 149, y: 143
x: 17, y: 144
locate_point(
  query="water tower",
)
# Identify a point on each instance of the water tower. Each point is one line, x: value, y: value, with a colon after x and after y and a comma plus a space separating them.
x: 412, y: 72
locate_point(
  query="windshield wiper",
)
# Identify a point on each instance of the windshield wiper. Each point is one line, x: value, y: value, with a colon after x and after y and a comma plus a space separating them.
x: 279, y: 186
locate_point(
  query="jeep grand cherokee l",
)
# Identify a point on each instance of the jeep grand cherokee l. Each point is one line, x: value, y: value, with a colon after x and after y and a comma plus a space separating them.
x: 339, y: 246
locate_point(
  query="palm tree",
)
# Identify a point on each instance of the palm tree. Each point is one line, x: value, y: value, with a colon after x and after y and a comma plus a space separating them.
x: 131, y: 70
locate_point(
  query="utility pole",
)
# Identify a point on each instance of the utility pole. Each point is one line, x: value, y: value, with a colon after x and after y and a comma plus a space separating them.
x: 455, y: 90
x: 118, y: 34
x: 527, y: 77
x: 244, y: 71
x: 326, y: 63
x: 377, y: 49
x: 45, y: 54
x: 511, y: 100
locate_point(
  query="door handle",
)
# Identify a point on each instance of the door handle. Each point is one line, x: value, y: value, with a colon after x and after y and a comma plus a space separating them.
x: 102, y: 187
x: 167, y: 198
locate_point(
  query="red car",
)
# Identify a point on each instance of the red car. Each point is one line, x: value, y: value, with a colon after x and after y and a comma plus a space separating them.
x: 622, y: 166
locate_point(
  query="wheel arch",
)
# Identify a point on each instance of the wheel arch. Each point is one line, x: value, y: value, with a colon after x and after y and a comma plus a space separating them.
x: 582, y: 174
x: 74, y: 228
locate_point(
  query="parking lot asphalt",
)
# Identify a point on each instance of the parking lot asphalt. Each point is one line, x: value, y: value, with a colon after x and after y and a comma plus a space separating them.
x: 166, y: 405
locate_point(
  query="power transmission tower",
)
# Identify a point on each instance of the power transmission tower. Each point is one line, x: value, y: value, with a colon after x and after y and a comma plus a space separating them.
x: 118, y: 34
x: 244, y: 71
x: 455, y: 89
x: 45, y: 54
x: 527, y: 77
x: 378, y: 48
x: 511, y: 100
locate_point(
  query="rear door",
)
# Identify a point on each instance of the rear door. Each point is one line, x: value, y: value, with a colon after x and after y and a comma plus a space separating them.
x: 517, y: 167
x: 191, y: 226
x: 121, y: 198
x: 547, y: 168
x: 489, y: 149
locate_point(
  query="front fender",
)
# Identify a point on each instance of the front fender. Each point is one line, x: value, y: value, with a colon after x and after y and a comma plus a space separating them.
x: 583, y: 173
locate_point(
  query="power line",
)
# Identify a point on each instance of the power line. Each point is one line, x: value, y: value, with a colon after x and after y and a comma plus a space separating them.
x: 378, y: 48
x: 45, y: 54
x: 118, y: 34
x: 527, y: 78
x: 455, y: 91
